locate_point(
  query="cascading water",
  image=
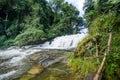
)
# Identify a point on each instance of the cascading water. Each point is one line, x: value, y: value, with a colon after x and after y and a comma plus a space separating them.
x: 65, y: 42
x: 14, y: 61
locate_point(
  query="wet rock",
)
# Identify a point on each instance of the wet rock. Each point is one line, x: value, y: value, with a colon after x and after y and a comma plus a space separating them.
x: 90, y: 76
x: 35, y: 69
x: 50, y: 62
x: 10, y: 70
x: 20, y: 64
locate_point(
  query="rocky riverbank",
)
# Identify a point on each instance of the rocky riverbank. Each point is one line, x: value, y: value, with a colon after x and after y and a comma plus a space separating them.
x: 16, y: 65
x: 42, y: 60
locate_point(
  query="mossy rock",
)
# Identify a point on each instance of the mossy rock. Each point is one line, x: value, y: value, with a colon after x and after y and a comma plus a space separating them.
x: 36, y: 69
x: 81, y: 48
x: 27, y: 77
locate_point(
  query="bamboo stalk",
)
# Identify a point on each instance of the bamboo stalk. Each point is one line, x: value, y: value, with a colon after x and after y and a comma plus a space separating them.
x: 98, y: 74
x: 109, y: 41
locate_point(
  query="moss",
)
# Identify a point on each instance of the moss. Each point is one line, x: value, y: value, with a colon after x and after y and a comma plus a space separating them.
x: 81, y: 48
x: 36, y: 69
x: 87, y: 46
x: 27, y: 77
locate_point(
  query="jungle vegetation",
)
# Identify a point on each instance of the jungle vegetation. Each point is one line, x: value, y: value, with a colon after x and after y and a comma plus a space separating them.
x: 24, y: 22
x: 103, y: 21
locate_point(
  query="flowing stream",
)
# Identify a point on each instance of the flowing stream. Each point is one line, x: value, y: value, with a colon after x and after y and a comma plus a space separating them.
x: 16, y: 61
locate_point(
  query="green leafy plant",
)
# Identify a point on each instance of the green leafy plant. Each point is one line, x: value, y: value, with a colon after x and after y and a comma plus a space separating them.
x: 31, y: 35
x: 81, y: 66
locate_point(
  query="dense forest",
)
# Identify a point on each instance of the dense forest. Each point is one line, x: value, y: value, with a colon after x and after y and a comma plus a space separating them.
x: 25, y: 22
x: 99, y: 53
x: 103, y: 19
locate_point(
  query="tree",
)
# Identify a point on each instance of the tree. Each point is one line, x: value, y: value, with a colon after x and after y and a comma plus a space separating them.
x: 52, y: 18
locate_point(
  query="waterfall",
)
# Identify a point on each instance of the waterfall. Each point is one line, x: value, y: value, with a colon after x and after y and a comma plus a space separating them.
x: 65, y: 42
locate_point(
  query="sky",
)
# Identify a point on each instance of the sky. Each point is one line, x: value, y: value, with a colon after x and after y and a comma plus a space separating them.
x: 78, y: 4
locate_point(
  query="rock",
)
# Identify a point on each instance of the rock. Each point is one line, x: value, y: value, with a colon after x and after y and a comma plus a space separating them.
x: 35, y: 70
x: 90, y: 76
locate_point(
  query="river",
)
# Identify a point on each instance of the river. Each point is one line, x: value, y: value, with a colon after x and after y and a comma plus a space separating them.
x: 16, y: 61
x: 37, y: 62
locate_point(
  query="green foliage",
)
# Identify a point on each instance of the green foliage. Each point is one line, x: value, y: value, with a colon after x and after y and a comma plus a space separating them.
x: 65, y: 17
x: 112, y: 68
x: 103, y: 23
x: 89, y: 5
x: 90, y: 16
x: 82, y: 46
x: 4, y: 42
x: 54, y: 18
x: 106, y: 20
x: 82, y: 66
x: 2, y: 39
x: 8, y: 43
x: 31, y: 35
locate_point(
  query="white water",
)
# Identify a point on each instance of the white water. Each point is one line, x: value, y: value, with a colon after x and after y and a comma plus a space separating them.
x: 65, y: 42
x: 7, y: 75
x: 14, y: 57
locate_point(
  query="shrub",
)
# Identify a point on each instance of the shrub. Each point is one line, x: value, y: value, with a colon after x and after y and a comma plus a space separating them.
x: 82, y: 66
x: 31, y: 35
x: 8, y: 43
x: 4, y: 42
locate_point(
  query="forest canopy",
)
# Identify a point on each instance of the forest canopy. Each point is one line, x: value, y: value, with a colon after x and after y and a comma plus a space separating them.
x: 45, y: 19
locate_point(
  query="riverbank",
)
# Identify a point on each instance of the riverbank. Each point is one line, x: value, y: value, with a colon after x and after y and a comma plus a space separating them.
x: 18, y: 64
x: 41, y: 64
